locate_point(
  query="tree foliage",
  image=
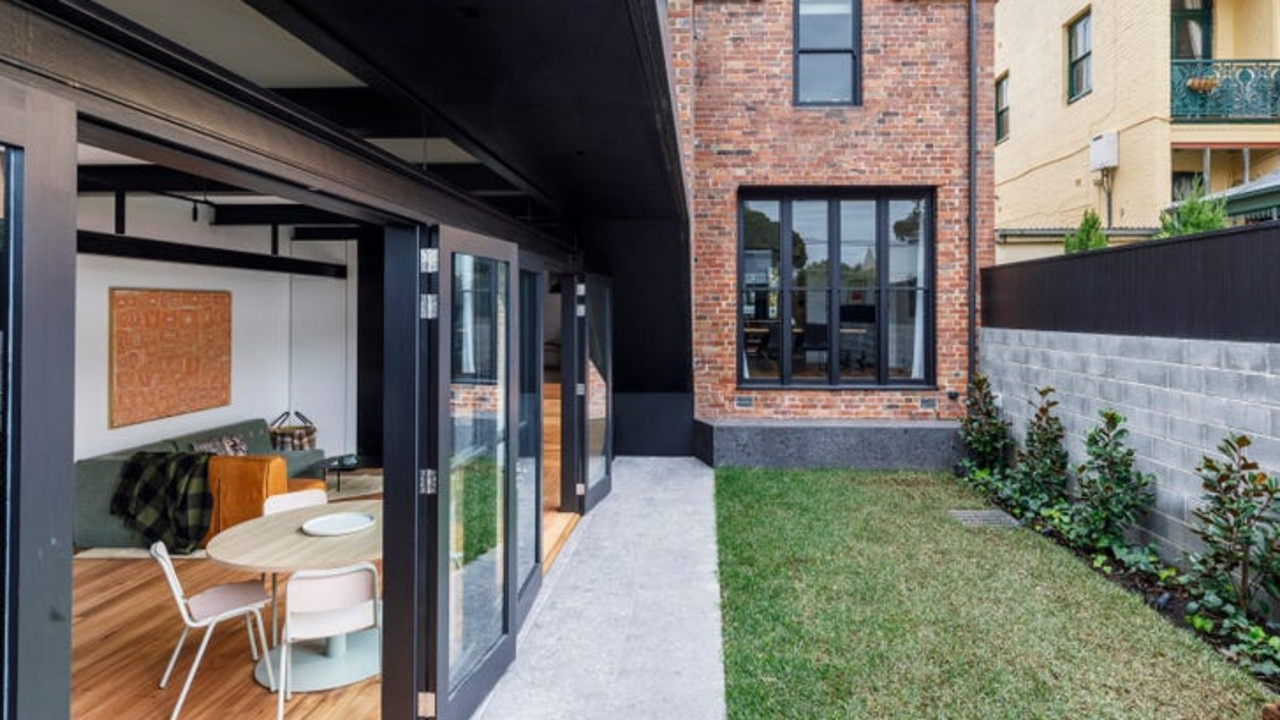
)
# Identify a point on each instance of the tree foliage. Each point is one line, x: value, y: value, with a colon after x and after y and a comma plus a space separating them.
x: 1194, y: 214
x: 1088, y: 236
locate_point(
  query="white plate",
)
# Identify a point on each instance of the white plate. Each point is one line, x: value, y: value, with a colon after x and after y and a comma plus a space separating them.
x: 343, y: 523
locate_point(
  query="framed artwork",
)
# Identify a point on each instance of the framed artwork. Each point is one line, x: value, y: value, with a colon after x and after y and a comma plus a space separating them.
x: 170, y: 353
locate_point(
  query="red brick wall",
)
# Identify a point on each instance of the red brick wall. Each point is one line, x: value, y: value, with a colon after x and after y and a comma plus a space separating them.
x: 910, y: 130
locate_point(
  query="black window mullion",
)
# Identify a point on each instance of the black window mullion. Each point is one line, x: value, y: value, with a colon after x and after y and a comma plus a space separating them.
x: 928, y: 281
x: 785, y: 287
x: 881, y: 290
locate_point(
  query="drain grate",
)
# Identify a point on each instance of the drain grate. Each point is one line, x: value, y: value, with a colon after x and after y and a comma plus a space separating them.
x: 984, y: 518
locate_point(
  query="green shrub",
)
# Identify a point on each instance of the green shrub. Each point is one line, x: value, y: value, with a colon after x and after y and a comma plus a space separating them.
x: 985, y: 434
x: 1193, y: 214
x: 1241, y: 533
x: 1088, y: 236
x: 1038, y: 479
x: 1109, y: 491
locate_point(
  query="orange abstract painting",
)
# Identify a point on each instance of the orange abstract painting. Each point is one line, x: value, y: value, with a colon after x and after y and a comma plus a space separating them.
x: 170, y: 353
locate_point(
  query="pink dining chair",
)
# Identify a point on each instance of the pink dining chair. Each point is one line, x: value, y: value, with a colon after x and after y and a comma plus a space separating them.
x: 324, y: 604
x: 205, y: 610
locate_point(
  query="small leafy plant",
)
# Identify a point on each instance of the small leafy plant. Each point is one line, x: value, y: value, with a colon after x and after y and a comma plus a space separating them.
x: 1039, y: 477
x: 984, y: 432
x: 1088, y: 236
x: 1241, y: 532
x: 1111, y: 493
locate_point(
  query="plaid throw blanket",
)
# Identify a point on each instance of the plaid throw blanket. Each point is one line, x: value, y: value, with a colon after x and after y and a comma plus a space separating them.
x: 165, y: 496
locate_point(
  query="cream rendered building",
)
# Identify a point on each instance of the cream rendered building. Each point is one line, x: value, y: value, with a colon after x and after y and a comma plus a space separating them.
x: 1190, y: 89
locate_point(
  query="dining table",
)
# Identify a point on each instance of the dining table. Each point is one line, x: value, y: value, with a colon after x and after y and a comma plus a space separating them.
x: 278, y: 544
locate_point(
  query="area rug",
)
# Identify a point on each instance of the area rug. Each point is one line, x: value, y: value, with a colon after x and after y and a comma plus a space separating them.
x: 356, y: 484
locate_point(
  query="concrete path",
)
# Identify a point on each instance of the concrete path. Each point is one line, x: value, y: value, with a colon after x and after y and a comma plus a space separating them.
x: 627, y: 625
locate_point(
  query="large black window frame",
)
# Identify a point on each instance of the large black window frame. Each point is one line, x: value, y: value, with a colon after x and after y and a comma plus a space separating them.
x: 1002, y: 107
x: 1080, y: 57
x: 827, y: 52
x: 865, y: 321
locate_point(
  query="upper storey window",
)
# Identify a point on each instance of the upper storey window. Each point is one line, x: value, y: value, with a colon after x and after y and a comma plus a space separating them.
x: 1192, y: 29
x: 827, y: 47
x: 1079, y: 57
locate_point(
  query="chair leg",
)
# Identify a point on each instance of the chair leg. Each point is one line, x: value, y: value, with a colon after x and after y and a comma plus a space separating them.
x: 253, y: 641
x: 204, y: 643
x: 266, y: 652
x: 164, y: 680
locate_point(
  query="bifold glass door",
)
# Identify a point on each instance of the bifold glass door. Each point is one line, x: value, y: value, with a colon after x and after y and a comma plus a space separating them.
x: 596, y: 381
x: 476, y: 553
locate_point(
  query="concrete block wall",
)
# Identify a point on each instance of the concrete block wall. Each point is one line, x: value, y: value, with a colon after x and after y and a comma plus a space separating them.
x: 1179, y: 397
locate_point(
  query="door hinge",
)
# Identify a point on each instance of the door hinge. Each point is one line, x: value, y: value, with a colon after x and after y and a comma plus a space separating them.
x: 582, y: 310
x: 581, y: 290
x: 428, y: 482
x: 580, y: 389
x: 582, y: 489
x: 428, y: 306
x: 429, y: 260
x: 426, y: 705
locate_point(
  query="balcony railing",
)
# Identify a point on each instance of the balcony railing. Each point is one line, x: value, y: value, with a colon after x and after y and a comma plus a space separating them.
x: 1218, y: 90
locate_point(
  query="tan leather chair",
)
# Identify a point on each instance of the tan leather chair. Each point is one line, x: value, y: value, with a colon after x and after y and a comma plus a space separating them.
x: 239, y: 484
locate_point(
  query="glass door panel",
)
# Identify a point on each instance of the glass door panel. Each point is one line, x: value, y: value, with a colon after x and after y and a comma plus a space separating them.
x: 529, y: 460
x: 598, y: 384
x: 478, y: 463
x: 475, y: 514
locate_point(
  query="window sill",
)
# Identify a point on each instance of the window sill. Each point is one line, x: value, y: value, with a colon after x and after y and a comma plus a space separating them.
x: 1071, y: 99
x: 807, y: 387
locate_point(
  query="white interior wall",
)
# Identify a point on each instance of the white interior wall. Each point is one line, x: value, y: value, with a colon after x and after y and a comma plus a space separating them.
x: 269, y: 311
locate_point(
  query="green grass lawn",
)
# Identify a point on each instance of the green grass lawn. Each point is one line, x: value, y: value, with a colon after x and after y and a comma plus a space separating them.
x: 856, y: 596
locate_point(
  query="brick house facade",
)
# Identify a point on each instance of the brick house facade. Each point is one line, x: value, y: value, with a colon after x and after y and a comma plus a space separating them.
x: 741, y: 129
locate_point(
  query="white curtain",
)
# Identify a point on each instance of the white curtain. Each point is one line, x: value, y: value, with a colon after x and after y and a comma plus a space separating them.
x: 917, y: 350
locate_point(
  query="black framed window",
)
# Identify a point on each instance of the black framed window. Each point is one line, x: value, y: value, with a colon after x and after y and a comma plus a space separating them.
x: 1002, y: 107
x: 1192, y: 29
x: 827, y: 47
x: 1079, y: 57
x: 836, y: 288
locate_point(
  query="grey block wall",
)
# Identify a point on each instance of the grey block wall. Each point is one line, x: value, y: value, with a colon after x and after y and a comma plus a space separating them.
x: 1180, y: 398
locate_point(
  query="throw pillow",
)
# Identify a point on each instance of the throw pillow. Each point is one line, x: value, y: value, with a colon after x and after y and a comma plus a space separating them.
x: 236, y: 445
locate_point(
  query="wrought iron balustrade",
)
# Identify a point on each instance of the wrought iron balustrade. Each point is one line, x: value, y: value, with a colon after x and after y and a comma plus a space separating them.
x: 1225, y: 89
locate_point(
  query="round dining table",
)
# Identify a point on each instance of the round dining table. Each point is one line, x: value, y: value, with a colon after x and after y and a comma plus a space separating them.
x: 278, y: 544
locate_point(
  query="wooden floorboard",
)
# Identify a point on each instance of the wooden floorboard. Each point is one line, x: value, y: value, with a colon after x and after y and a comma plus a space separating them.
x: 124, y: 626
x: 556, y: 528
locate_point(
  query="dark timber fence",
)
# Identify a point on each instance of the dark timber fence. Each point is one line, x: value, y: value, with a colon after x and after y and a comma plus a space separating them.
x: 1223, y: 285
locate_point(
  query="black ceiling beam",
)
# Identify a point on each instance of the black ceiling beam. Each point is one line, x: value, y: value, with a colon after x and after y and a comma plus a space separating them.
x: 94, y: 243
x: 146, y: 178
x: 471, y: 177
x: 328, y: 232
x: 364, y: 111
x: 274, y: 214
x: 302, y: 24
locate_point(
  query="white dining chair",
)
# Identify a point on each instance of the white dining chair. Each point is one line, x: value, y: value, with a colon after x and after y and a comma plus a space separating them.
x: 205, y: 610
x: 293, y: 500
x: 278, y: 504
x: 324, y: 604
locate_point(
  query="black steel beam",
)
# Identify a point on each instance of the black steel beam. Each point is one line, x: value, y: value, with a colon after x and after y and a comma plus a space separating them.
x: 94, y: 243
x: 365, y: 111
x: 146, y: 178
x: 274, y: 214
x: 329, y: 232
